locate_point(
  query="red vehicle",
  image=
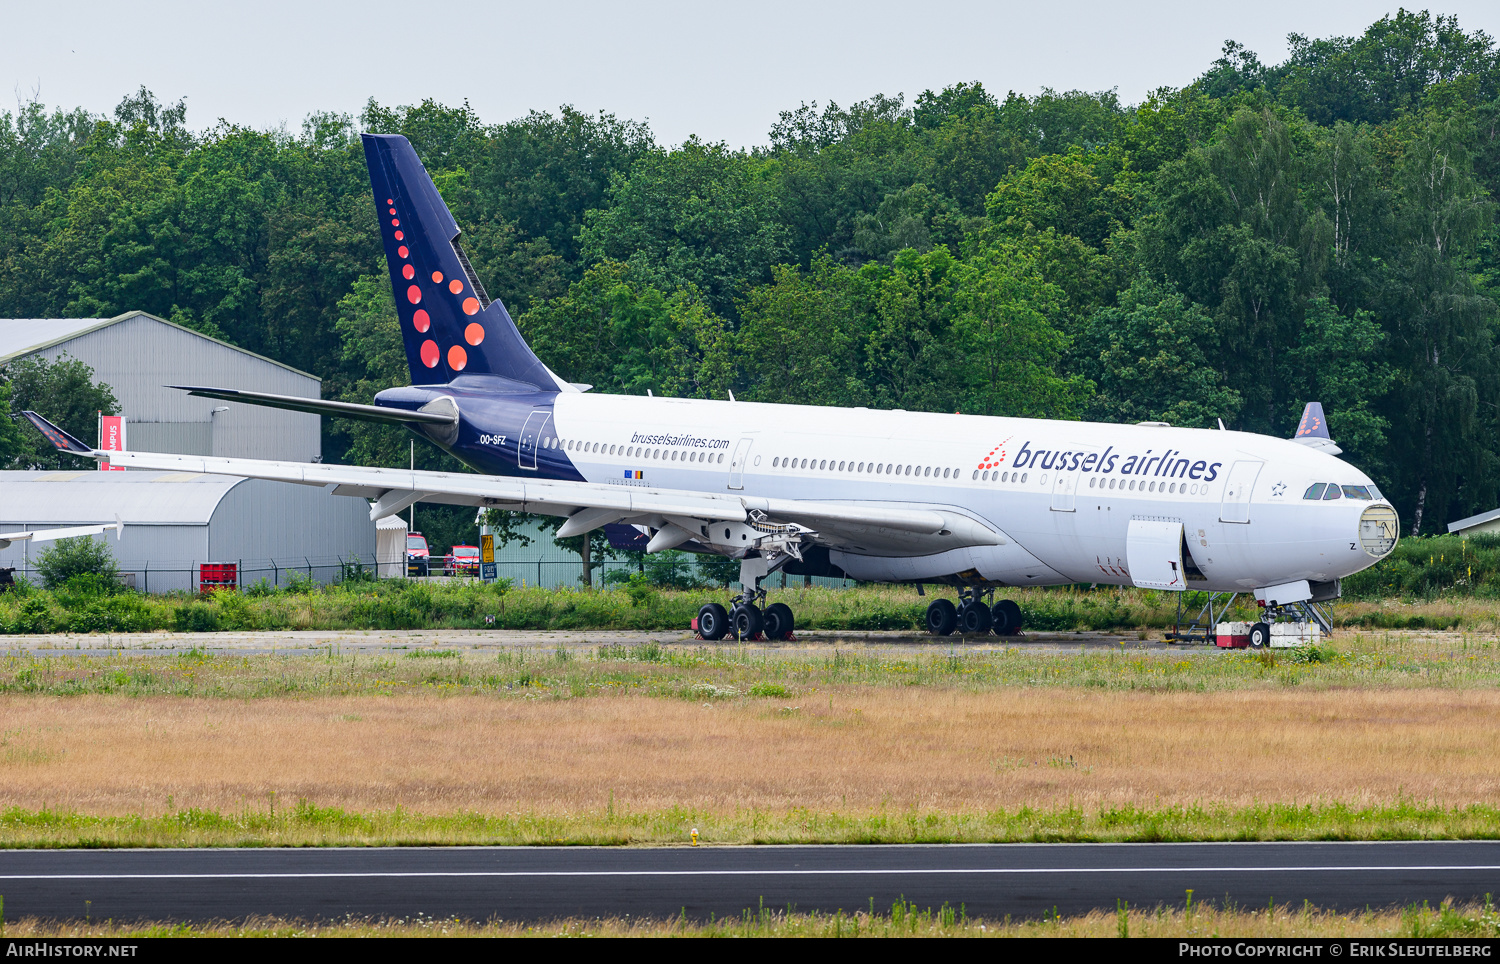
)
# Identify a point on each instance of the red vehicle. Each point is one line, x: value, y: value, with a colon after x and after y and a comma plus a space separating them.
x: 418, y: 558
x: 464, y: 561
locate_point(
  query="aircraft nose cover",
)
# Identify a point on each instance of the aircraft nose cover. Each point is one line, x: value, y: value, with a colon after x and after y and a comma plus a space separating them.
x: 1378, y: 530
x: 448, y: 324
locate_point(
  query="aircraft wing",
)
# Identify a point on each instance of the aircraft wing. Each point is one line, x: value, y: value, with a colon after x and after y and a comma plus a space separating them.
x: 687, y: 514
x: 47, y: 535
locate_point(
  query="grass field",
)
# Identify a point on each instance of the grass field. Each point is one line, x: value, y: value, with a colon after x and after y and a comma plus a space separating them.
x: 1372, y: 736
x: 1201, y: 919
x: 401, y: 605
x: 1381, y: 659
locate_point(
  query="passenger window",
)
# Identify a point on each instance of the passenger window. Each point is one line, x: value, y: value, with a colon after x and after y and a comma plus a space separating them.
x: 1332, y: 493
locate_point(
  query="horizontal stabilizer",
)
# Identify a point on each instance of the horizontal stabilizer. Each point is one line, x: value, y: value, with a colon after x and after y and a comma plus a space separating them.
x: 318, y: 406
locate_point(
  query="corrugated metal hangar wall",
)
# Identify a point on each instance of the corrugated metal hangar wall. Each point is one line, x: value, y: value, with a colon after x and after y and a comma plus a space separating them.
x: 176, y: 520
x: 137, y: 354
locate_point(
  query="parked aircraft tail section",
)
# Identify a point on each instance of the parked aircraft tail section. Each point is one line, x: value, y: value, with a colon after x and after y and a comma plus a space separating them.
x: 1312, y: 430
x: 449, y: 324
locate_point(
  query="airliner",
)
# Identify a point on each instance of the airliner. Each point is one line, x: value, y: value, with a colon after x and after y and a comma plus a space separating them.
x: 973, y: 503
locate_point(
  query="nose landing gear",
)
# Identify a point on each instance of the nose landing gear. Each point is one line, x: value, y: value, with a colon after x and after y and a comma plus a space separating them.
x: 973, y: 616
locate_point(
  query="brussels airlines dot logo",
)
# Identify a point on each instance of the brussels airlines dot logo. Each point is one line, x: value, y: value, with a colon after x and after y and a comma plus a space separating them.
x: 993, y: 460
x: 429, y: 351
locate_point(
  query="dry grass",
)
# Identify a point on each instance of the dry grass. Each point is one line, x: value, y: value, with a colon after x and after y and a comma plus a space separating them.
x: 1200, y: 921
x: 846, y: 749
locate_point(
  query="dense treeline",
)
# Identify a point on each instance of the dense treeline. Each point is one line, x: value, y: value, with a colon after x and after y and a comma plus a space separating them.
x: 1268, y: 235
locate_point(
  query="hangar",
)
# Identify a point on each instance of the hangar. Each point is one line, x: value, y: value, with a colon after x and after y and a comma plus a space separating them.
x: 177, y: 521
x: 138, y: 354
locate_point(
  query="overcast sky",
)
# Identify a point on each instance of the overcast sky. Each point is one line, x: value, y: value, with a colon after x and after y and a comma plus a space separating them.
x: 721, y: 71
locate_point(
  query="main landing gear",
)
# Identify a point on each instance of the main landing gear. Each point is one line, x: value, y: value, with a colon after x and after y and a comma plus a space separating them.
x: 748, y: 617
x: 973, y: 616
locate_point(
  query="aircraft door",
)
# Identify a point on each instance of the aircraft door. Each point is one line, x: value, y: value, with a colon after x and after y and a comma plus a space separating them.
x: 737, y: 463
x: 1065, y: 485
x: 1153, y: 553
x: 1237, y: 489
x: 531, y: 433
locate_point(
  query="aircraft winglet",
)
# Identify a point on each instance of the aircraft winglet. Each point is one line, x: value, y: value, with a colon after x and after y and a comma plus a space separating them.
x: 59, y: 438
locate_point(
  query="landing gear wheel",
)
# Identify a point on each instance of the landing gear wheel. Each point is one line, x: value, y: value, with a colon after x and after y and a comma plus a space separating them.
x: 748, y: 621
x: 942, y: 618
x: 778, y: 621
x: 1007, y: 616
x: 974, y: 618
x: 713, y: 621
x: 1260, y: 636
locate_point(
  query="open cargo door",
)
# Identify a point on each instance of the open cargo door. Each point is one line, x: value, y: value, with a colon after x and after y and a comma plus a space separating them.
x: 1153, y: 552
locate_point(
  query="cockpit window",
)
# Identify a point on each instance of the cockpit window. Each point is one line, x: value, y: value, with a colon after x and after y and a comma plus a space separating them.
x: 1374, y: 492
x: 1357, y: 492
x: 1315, y: 491
x: 1332, y: 493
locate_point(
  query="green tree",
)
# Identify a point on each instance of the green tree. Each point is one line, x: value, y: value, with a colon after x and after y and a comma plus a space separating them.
x: 65, y: 393
x: 68, y: 559
x: 1341, y: 361
x: 701, y: 216
x: 1442, y: 331
x: 618, y: 331
x: 1149, y: 358
x: 801, y: 338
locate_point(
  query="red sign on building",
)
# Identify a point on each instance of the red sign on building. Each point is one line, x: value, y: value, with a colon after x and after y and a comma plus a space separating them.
x: 111, y: 439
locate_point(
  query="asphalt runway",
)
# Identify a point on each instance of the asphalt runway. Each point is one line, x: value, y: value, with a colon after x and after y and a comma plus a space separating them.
x: 544, y: 883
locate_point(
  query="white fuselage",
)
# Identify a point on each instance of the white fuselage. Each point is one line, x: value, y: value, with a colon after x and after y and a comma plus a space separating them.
x: 1062, y: 494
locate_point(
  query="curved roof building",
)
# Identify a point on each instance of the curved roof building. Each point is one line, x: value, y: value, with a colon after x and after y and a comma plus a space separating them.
x: 175, y: 521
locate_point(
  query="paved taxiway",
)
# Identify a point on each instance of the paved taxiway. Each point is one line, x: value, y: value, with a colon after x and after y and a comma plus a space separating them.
x: 540, y: 883
x: 478, y: 641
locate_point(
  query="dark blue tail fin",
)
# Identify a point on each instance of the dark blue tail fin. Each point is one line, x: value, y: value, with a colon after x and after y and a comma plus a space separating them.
x: 450, y: 326
x: 1313, y: 424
